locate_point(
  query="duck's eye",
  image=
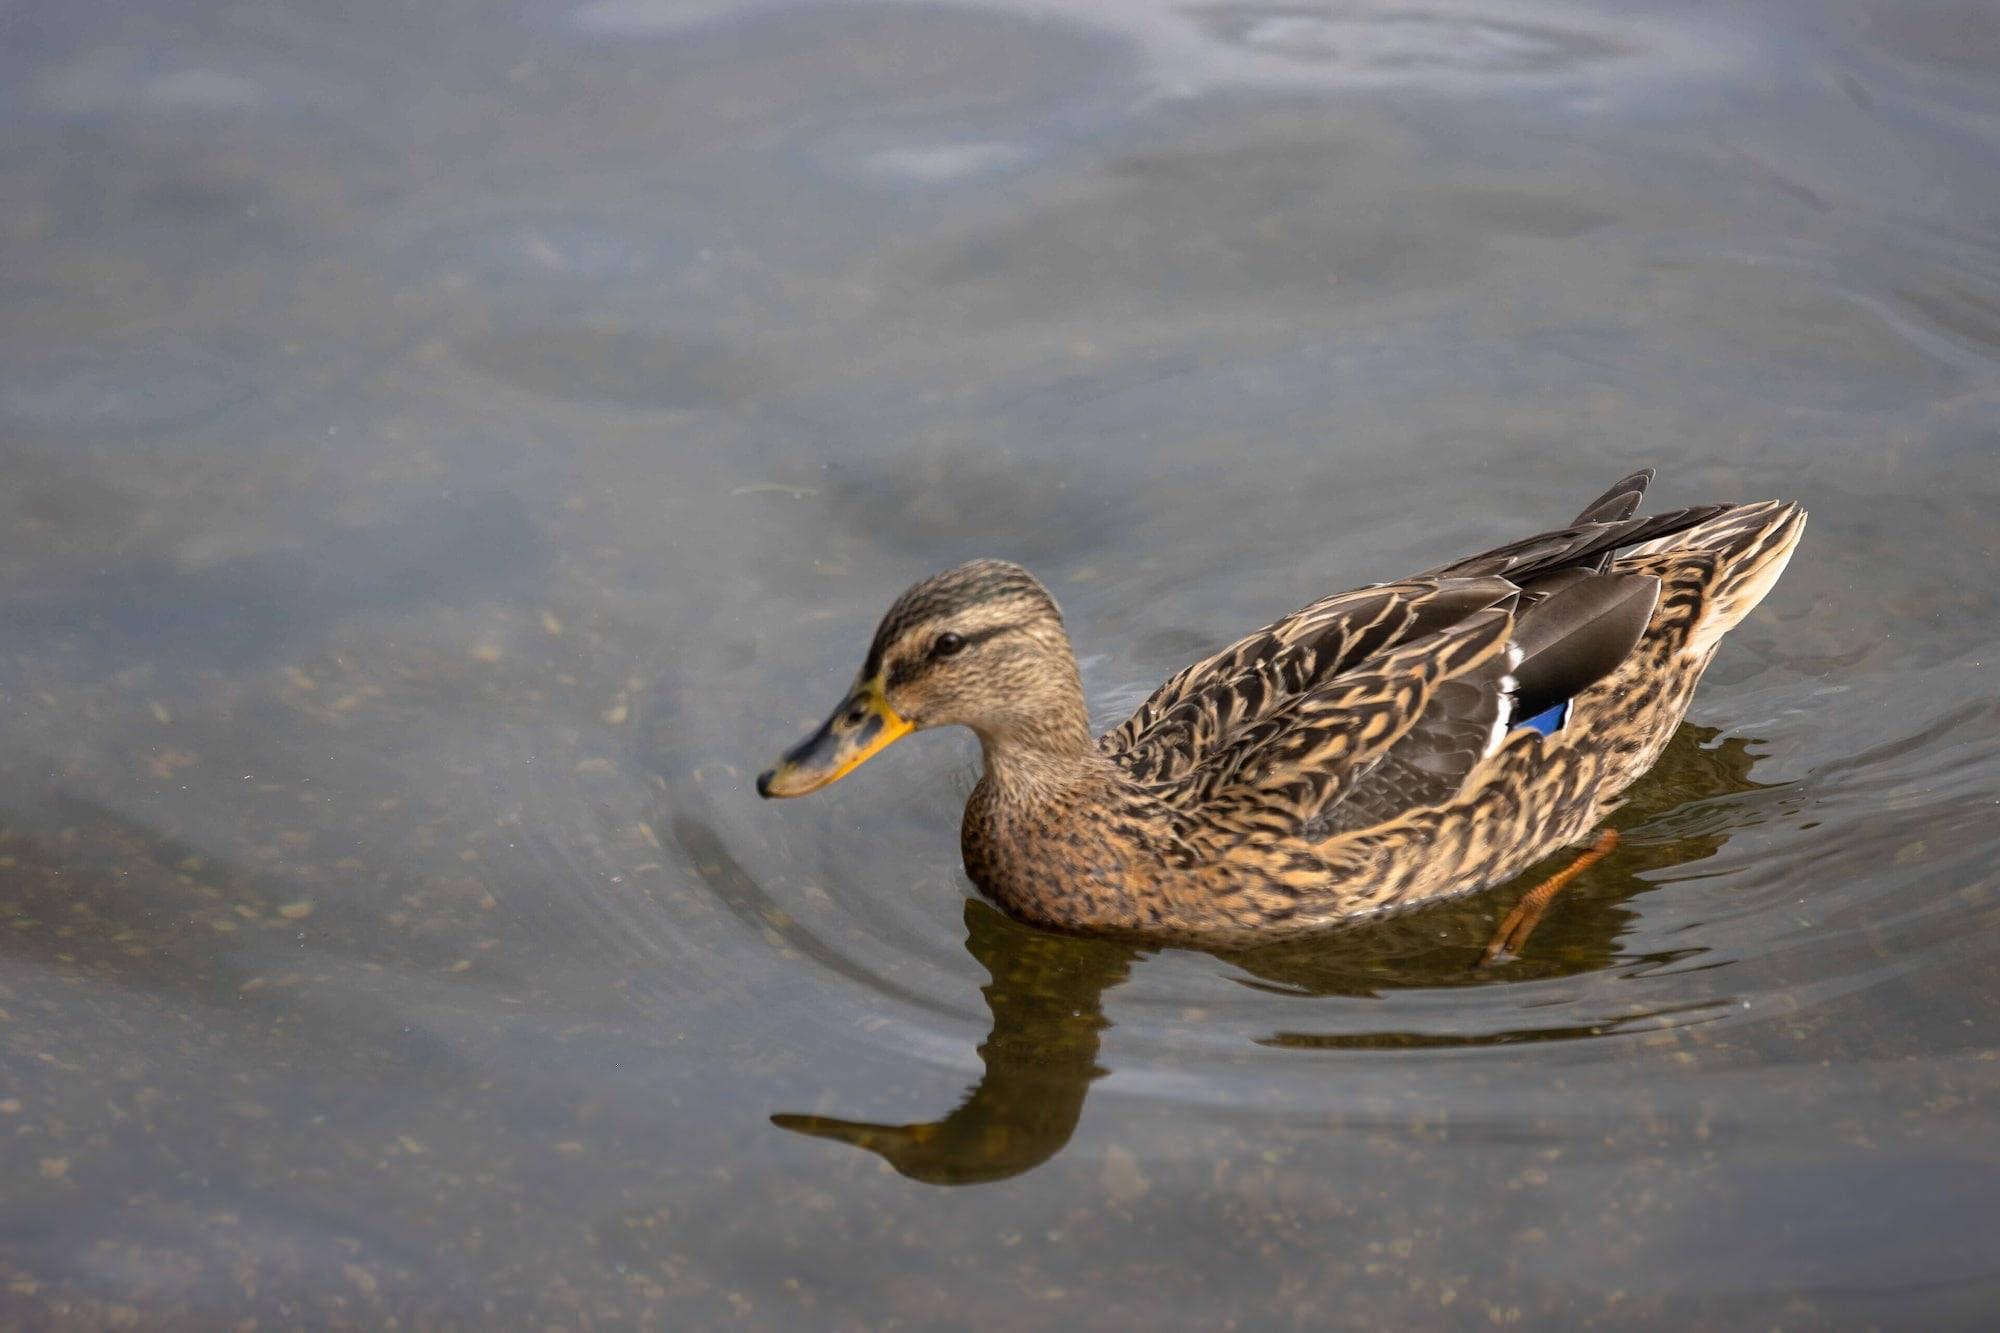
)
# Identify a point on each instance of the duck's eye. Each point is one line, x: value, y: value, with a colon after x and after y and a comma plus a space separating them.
x: 948, y: 644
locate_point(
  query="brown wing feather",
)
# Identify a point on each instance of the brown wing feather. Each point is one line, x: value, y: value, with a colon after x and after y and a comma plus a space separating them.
x: 1206, y: 707
x: 1579, y: 545
x: 1368, y: 703
x: 1620, y: 502
x: 1430, y: 761
x: 1277, y: 776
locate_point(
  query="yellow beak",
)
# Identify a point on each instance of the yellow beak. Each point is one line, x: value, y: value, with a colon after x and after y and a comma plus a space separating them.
x: 862, y: 727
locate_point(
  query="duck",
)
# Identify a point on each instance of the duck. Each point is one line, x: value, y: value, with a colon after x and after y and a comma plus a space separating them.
x: 1374, y: 751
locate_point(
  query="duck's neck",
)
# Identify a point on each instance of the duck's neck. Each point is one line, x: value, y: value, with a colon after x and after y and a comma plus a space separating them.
x: 1045, y: 755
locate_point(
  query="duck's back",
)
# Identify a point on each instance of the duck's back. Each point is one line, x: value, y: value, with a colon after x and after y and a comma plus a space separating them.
x: 1369, y: 705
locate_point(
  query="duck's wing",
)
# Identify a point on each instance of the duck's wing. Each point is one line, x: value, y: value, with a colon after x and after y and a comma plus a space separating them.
x: 1372, y: 702
x: 1561, y: 642
x: 1219, y: 701
x: 1583, y: 546
x: 1621, y: 501
x: 1275, y: 777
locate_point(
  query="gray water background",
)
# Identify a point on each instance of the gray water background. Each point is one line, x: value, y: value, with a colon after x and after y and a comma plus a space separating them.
x: 446, y: 450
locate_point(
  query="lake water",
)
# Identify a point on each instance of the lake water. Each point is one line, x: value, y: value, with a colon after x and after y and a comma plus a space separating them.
x: 446, y: 450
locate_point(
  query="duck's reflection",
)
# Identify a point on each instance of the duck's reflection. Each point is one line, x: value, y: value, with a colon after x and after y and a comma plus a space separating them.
x: 1046, y: 993
x: 1047, y: 1000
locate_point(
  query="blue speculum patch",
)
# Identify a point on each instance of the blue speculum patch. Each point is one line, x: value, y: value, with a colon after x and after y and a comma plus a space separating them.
x: 1549, y: 721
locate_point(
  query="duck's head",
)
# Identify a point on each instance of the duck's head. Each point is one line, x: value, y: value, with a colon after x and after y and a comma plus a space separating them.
x: 980, y: 646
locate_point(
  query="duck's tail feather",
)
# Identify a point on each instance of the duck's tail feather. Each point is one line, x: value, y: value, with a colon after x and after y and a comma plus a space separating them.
x: 1745, y: 548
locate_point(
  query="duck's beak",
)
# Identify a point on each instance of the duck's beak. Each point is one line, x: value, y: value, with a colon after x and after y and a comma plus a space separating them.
x: 863, y: 726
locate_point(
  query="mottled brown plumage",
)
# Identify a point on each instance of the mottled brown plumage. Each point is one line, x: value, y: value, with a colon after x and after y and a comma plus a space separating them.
x: 1361, y: 755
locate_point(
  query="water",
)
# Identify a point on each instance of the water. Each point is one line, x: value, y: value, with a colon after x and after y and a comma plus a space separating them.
x: 447, y: 450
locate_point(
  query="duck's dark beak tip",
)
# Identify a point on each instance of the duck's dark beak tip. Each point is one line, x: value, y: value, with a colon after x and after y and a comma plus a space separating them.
x: 862, y: 726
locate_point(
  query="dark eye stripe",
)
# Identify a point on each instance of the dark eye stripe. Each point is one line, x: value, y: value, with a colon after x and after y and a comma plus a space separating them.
x: 902, y: 673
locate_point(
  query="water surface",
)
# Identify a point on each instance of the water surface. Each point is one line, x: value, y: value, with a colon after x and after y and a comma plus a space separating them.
x: 445, y: 451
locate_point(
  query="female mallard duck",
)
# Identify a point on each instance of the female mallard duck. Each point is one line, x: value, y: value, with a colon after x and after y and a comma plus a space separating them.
x: 1377, y: 749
